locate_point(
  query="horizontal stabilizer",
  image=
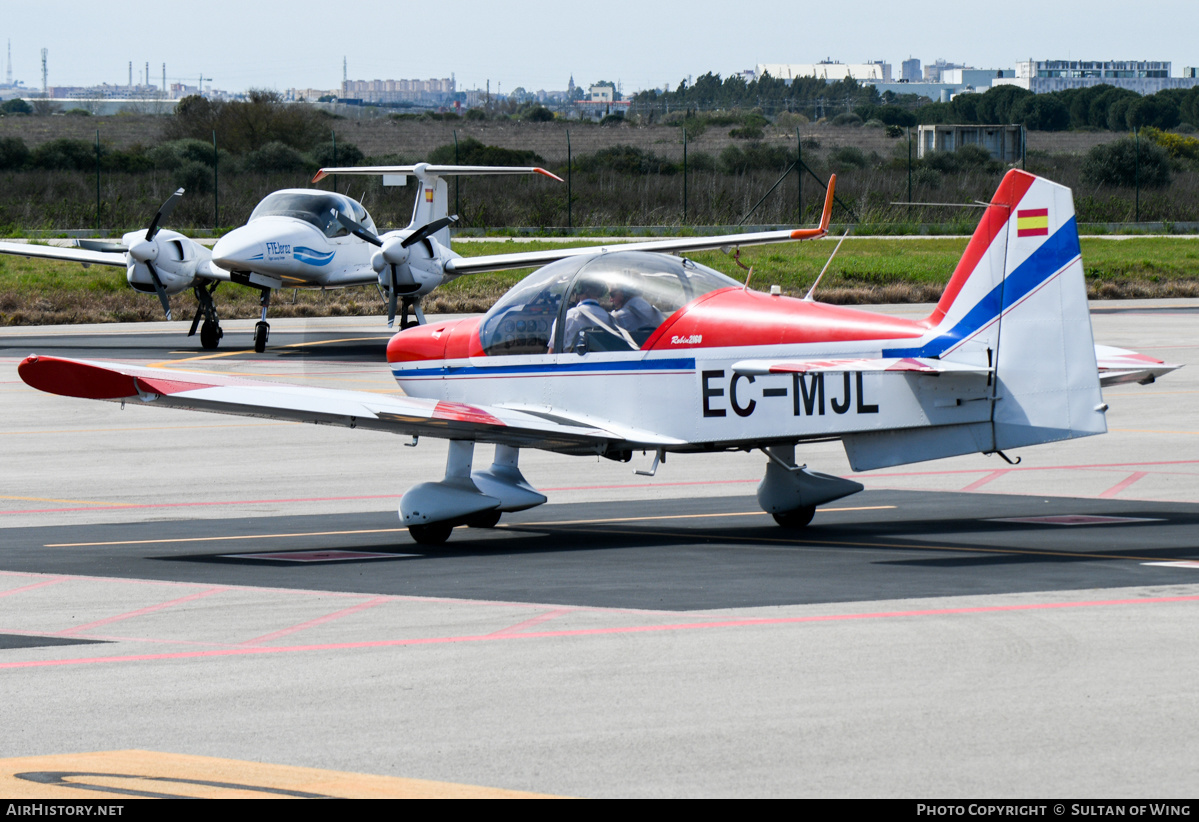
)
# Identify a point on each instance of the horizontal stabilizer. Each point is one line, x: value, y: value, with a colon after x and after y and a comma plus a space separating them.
x: 1118, y: 366
x: 919, y: 365
x: 422, y: 169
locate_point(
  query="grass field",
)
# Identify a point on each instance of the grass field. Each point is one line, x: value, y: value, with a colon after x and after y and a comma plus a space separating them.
x: 41, y: 292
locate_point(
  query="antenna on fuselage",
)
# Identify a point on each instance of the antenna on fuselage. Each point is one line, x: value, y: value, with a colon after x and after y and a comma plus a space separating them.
x: 812, y: 290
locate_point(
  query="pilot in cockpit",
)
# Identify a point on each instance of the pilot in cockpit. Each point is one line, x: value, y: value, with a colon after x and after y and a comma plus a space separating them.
x: 586, y: 314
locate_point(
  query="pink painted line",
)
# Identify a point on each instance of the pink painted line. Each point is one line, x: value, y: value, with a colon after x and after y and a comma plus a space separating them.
x: 1120, y: 486
x: 141, y: 611
x: 529, y: 623
x: 868, y: 475
x: 979, y: 483
x: 353, y: 609
x: 24, y: 588
x: 633, y: 629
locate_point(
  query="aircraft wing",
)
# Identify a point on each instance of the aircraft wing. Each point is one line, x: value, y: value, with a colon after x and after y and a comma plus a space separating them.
x: 527, y: 259
x: 411, y: 416
x: 54, y: 252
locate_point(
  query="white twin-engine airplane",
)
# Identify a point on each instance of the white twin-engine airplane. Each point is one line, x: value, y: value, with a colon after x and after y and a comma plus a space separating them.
x: 611, y: 352
x: 295, y: 238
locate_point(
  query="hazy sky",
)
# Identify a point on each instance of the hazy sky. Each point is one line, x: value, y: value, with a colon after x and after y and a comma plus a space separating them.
x: 540, y: 44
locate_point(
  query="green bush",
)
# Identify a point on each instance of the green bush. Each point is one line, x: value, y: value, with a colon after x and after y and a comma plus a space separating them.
x: 65, y: 154
x: 13, y: 153
x: 754, y: 156
x: 848, y: 157
x: 15, y: 106
x: 276, y: 156
x: 746, y: 133
x: 348, y: 154
x: 626, y: 160
x: 538, y: 114
x: 1116, y: 164
x: 471, y: 152
x: 847, y: 120
x: 194, y: 176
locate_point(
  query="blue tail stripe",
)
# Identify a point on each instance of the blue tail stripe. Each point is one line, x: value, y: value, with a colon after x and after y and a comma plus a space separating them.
x: 1053, y: 255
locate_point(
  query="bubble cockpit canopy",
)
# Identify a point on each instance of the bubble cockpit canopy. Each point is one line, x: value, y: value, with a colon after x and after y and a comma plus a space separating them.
x: 314, y: 207
x: 611, y: 301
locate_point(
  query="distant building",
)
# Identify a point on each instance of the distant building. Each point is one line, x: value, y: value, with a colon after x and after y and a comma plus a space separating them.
x: 399, y: 91
x: 1005, y: 143
x: 1190, y: 71
x: 827, y: 70
x: 600, y: 94
x: 910, y: 70
x: 933, y: 71
x: 1141, y: 76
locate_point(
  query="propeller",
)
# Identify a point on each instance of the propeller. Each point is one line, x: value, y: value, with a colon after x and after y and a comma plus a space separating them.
x: 144, y: 251
x: 393, y: 253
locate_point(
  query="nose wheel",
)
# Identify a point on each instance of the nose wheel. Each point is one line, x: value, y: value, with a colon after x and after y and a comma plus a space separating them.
x: 262, y: 330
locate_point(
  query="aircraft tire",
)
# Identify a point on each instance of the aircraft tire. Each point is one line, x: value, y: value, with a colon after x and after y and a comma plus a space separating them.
x: 799, y: 518
x: 260, y: 334
x: 210, y: 335
x: 434, y: 533
x: 487, y: 519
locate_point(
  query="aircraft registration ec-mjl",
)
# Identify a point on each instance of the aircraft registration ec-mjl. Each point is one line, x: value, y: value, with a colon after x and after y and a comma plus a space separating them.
x: 612, y: 351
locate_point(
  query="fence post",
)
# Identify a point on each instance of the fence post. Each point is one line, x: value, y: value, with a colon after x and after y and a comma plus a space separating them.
x: 457, y: 177
x: 570, y: 201
x: 909, y: 164
x: 216, y: 185
x: 1136, y: 165
x: 798, y: 176
x: 684, y: 174
x: 334, y: 133
x: 97, y: 179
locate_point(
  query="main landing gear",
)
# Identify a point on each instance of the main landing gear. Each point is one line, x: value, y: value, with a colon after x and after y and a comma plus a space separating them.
x: 790, y: 492
x: 211, y: 331
x: 413, y: 304
x: 476, y: 499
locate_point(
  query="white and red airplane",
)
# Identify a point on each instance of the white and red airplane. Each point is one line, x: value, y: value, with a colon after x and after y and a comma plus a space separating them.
x: 685, y: 359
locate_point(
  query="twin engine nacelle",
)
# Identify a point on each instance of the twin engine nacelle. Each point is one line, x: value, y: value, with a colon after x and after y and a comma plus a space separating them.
x: 174, y: 257
x: 417, y: 272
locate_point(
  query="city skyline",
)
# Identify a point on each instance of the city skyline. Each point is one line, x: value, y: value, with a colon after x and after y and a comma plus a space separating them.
x: 541, y: 45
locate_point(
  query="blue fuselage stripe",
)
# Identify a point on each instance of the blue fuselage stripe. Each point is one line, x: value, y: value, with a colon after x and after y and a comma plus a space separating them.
x: 1053, y: 255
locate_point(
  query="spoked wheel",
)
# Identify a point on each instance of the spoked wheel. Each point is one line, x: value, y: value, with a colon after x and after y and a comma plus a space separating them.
x: 487, y: 519
x: 799, y: 518
x: 210, y: 335
x: 261, y: 330
x: 433, y: 534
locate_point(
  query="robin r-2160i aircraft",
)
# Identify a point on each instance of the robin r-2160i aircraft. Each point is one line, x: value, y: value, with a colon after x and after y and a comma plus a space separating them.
x: 618, y: 351
x: 295, y: 238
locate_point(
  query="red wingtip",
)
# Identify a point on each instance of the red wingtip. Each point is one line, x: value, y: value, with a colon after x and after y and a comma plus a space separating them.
x: 549, y: 174
x: 827, y: 216
x: 72, y: 379
x: 320, y: 175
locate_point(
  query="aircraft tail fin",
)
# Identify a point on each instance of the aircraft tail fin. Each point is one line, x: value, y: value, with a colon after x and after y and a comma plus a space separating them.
x: 1017, y: 304
x: 432, y: 194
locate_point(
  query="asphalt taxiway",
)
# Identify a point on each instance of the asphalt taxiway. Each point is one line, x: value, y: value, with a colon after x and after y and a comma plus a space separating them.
x: 216, y: 591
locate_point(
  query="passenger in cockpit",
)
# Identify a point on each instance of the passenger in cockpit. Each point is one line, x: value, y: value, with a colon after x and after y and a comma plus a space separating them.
x: 631, y: 311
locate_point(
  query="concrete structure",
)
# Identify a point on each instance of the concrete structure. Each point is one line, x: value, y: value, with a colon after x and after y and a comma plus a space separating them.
x: 910, y: 70
x: 1141, y: 76
x: 399, y: 91
x: 828, y: 70
x: 934, y: 70
x: 1005, y: 143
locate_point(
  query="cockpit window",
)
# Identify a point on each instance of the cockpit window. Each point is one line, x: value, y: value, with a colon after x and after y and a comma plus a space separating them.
x: 314, y: 207
x: 603, y: 302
